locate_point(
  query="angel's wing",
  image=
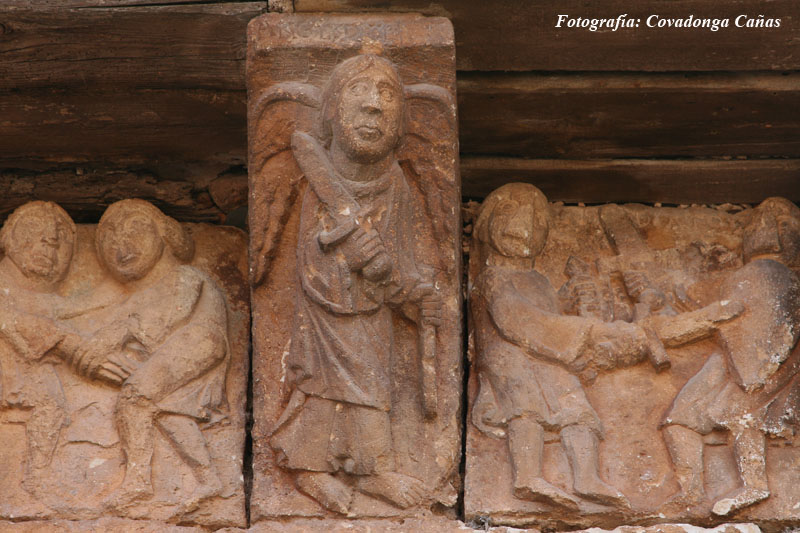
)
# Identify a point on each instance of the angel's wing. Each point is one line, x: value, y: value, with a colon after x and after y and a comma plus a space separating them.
x: 274, y: 175
x: 428, y: 156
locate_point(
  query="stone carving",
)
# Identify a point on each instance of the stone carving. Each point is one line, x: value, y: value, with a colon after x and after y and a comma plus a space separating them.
x: 663, y: 366
x: 131, y: 368
x: 350, y: 177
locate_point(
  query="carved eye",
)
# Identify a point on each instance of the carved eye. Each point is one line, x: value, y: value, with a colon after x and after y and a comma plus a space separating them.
x: 358, y: 88
x: 508, y: 207
x: 387, y: 94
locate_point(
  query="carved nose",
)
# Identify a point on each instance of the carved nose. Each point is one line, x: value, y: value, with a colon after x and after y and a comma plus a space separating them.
x: 372, y: 101
x: 518, y: 226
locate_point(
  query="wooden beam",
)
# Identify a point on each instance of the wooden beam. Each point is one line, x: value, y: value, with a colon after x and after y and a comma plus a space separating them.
x: 85, y: 192
x: 192, y: 46
x: 667, y: 181
x: 596, y: 115
x: 137, y: 127
x: 522, y: 35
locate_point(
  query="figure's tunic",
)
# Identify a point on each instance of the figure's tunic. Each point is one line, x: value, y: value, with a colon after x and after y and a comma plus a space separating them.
x: 178, y: 329
x: 341, y: 349
x: 755, y: 381
x: 523, y: 345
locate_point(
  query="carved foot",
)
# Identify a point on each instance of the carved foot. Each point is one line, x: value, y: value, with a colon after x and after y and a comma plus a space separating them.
x: 398, y: 489
x: 539, y: 490
x: 200, y: 494
x: 598, y: 491
x: 128, y: 494
x: 739, y: 499
x: 328, y: 491
x: 683, y: 504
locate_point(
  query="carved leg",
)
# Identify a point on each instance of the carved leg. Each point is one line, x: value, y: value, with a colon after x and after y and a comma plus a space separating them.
x: 190, y: 444
x: 135, y: 417
x: 43, y: 427
x: 526, y: 444
x: 330, y: 492
x: 582, y: 449
x: 685, y: 448
x: 749, y: 447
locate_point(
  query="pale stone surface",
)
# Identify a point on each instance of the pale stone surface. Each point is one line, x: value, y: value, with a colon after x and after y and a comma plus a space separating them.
x: 101, y: 525
x: 354, y: 220
x: 632, y: 363
x: 123, y: 350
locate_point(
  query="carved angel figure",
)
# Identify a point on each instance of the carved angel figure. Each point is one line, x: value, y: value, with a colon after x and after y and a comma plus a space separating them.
x: 360, y: 144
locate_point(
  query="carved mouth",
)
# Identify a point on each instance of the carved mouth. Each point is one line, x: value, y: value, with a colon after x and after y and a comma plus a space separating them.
x: 369, y: 133
x: 127, y: 258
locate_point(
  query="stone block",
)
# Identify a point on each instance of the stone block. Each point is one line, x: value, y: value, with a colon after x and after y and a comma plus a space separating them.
x: 355, y: 265
x: 633, y: 364
x: 124, y: 357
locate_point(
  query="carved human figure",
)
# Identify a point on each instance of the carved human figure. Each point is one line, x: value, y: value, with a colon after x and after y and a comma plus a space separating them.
x: 751, y: 387
x: 527, y: 353
x: 356, y: 270
x: 38, y: 240
x: 164, y: 346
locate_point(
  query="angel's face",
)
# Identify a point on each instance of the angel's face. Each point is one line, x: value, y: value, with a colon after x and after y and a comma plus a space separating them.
x: 368, y: 114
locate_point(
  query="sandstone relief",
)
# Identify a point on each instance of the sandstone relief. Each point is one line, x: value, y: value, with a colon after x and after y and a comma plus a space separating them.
x: 354, y: 236
x: 632, y: 363
x: 123, y: 364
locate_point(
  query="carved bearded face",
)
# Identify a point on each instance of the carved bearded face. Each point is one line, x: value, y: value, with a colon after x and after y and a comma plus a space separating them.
x: 130, y: 246
x: 41, y: 245
x: 366, y: 123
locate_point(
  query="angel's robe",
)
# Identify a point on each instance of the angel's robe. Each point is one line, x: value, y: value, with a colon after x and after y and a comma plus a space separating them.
x: 523, y: 348
x: 342, y: 342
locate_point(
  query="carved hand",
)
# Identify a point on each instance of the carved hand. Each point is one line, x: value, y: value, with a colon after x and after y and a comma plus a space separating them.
x: 617, y: 344
x: 430, y: 303
x: 362, y: 249
x: 91, y: 355
x: 639, y: 287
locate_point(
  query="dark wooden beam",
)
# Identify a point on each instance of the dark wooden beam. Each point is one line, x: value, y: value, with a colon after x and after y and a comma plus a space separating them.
x: 667, y: 181
x: 596, y: 115
x: 522, y: 35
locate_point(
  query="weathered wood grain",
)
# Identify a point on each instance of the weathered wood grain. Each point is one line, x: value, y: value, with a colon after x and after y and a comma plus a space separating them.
x: 528, y: 115
x: 193, y: 46
x: 85, y: 193
x: 667, y: 181
x: 595, y: 115
x: 142, y: 126
x: 521, y: 35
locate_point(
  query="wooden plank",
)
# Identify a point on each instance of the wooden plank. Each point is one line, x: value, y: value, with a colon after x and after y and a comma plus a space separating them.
x: 195, y: 46
x: 667, y: 181
x: 85, y: 193
x: 535, y: 116
x: 596, y: 115
x: 138, y: 127
x: 515, y: 35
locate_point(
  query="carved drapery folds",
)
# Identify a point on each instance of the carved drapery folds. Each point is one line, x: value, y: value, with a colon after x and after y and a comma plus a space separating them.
x: 123, y: 366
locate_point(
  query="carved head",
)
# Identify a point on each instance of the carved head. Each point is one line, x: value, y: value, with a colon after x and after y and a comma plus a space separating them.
x: 773, y: 232
x: 362, y: 108
x: 132, y: 236
x: 514, y: 221
x: 39, y: 239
